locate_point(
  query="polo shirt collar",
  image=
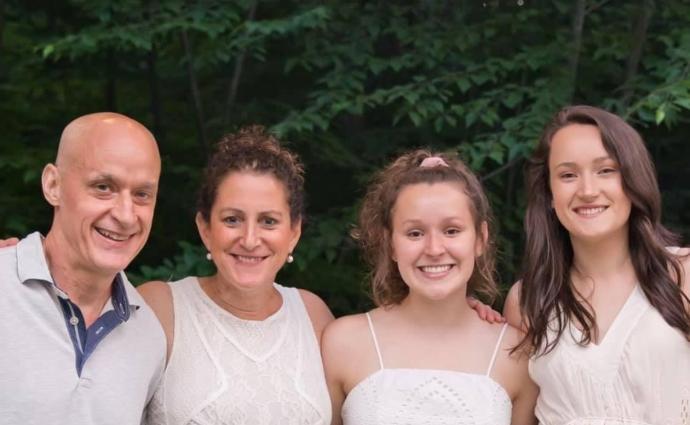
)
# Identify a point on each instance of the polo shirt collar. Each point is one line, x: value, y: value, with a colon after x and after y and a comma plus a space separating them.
x: 32, y: 265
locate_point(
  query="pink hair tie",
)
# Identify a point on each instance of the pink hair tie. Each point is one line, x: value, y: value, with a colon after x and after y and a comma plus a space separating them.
x: 433, y: 161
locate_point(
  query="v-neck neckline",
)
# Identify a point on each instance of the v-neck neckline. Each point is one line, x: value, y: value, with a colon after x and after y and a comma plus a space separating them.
x: 615, y: 324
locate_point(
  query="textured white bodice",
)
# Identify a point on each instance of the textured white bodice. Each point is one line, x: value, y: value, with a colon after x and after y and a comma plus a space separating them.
x: 427, y: 396
x: 639, y: 374
x: 226, y: 370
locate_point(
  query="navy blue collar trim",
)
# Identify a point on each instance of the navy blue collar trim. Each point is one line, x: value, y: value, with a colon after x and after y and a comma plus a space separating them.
x: 119, y: 298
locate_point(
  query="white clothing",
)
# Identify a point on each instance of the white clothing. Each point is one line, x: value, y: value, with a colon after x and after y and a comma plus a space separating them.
x: 226, y: 370
x: 638, y: 374
x: 427, y: 396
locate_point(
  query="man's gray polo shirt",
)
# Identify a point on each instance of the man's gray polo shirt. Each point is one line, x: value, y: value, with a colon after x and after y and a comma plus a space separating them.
x: 48, y: 374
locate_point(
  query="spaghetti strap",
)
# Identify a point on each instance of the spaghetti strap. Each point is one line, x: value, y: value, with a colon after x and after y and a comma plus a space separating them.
x: 376, y: 343
x: 498, y: 344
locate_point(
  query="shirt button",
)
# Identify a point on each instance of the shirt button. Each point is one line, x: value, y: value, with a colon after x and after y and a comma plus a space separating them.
x: 74, y: 320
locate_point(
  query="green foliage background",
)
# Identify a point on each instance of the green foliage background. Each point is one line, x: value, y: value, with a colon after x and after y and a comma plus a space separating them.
x: 346, y: 84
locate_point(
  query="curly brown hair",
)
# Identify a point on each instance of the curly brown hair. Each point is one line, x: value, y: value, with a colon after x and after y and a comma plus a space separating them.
x: 252, y: 149
x: 375, y: 223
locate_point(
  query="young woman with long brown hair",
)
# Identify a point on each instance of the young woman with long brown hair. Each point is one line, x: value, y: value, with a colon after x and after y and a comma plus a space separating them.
x: 603, y: 298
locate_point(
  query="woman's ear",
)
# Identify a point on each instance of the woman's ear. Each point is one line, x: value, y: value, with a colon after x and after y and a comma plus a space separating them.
x: 482, y: 239
x: 296, y: 229
x: 203, y: 226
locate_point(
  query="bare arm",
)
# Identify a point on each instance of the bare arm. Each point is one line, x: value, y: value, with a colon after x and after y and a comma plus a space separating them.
x: 334, y: 351
x: 158, y: 296
x: 523, y: 404
x: 319, y: 313
x: 511, y: 309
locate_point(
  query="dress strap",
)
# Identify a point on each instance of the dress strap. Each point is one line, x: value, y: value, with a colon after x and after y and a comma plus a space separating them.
x: 376, y: 342
x: 498, y: 344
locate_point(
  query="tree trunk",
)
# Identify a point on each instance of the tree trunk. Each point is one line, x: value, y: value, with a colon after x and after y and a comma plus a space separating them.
x: 2, y: 24
x: 111, y: 82
x: 638, y: 39
x: 237, y: 73
x: 578, y: 23
x: 150, y: 8
x: 194, y: 89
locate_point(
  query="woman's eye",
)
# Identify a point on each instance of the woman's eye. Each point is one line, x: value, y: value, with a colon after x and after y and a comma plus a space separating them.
x: 414, y: 234
x: 269, y: 221
x: 453, y: 231
x: 567, y: 176
x: 231, y: 220
x: 608, y: 170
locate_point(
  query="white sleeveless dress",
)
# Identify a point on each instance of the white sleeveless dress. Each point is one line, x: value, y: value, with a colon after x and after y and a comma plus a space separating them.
x: 639, y: 374
x: 427, y: 396
x: 226, y: 370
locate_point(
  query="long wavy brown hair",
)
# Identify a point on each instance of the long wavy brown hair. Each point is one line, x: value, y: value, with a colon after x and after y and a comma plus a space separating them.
x: 548, y: 301
x: 375, y: 223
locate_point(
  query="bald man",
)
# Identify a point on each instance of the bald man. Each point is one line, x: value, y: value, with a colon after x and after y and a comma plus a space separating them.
x: 79, y: 345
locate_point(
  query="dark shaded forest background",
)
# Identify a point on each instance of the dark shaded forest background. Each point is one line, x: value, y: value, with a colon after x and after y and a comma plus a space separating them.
x: 346, y: 84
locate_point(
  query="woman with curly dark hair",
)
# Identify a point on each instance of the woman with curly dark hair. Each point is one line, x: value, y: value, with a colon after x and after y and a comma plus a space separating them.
x: 241, y: 348
x: 423, y: 355
x: 603, y: 298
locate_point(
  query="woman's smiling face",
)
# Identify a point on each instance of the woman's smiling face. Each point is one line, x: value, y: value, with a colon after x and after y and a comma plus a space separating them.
x: 249, y: 233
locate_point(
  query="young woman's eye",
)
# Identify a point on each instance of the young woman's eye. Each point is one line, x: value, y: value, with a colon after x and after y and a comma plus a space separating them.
x: 567, y: 175
x: 452, y: 231
x: 414, y: 234
x: 608, y: 170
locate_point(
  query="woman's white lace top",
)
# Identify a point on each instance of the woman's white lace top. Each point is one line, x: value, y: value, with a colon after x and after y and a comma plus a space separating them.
x: 226, y: 370
x: 427, y: 396
x: 638, y: 374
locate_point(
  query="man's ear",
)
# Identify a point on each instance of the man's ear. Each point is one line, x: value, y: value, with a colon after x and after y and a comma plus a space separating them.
x: 50, y: 183
x: 482, y: 239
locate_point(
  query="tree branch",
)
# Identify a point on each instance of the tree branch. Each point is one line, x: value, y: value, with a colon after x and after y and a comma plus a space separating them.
x: 638, y: 40
x: 578, y: 23
x: 194, y: 89
x: 239, y: 65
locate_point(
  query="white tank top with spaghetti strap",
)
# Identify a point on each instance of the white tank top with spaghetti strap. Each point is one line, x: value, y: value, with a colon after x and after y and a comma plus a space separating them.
x: 639, y: 373
x: 427, y: 396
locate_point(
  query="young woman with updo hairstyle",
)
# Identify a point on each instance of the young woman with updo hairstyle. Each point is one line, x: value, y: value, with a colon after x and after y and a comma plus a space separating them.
x: 241, y: 348
x: 603, y: 297
x: 423, y: 355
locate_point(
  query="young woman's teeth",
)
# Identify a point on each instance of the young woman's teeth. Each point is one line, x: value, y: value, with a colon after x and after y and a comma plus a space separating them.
x: 436, y: 269
x: 590, y: 211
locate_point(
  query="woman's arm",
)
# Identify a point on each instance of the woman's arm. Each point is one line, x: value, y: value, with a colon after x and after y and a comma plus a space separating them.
x: 158, y: 296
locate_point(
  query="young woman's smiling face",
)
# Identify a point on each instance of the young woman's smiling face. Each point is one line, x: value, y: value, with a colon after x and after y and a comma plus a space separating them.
x: 434, y: 239
x: 586, y: 185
